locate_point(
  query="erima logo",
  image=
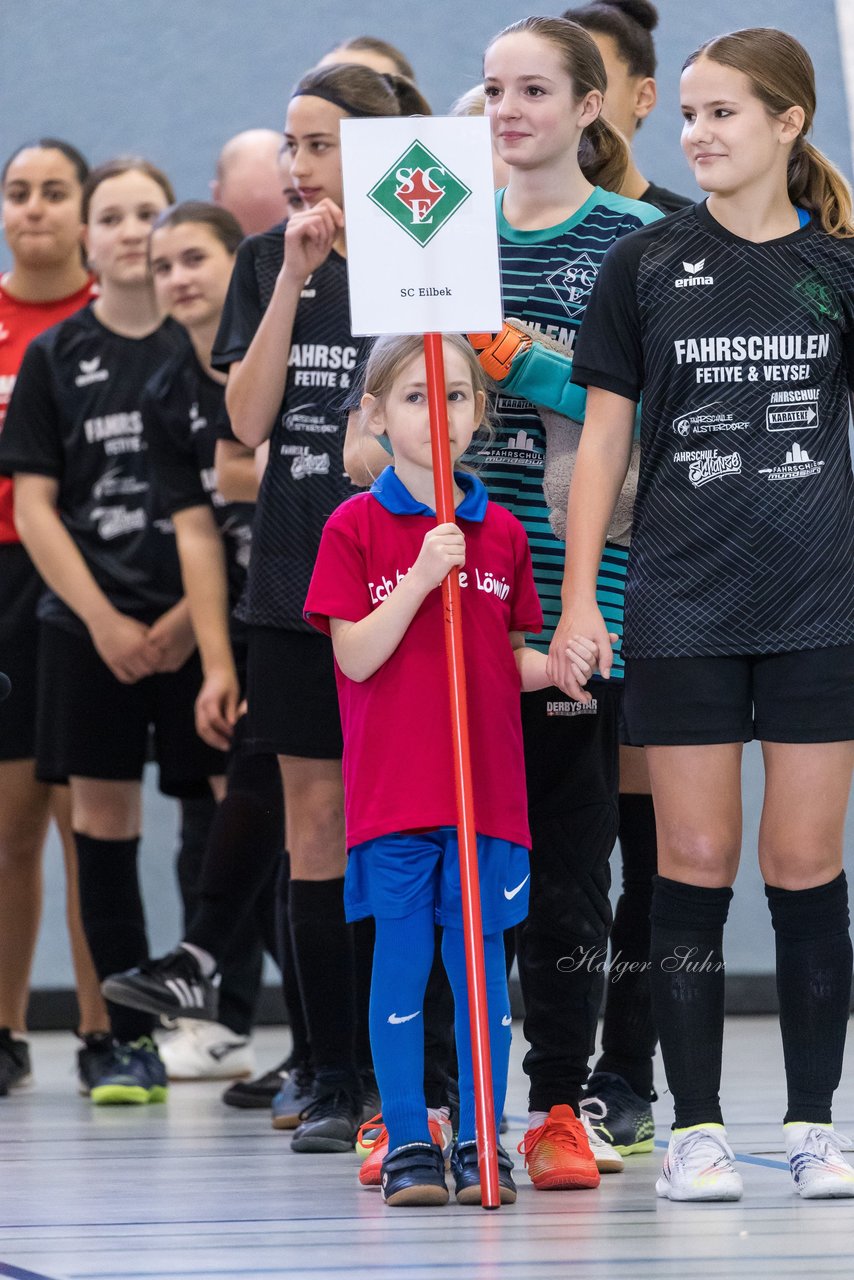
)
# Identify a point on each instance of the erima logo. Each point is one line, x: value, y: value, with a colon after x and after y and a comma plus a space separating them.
x: 91, y: 371
x: 395, y: 1019
x: 511, y: 893
x: 197, y: 422
x: 692, y: 275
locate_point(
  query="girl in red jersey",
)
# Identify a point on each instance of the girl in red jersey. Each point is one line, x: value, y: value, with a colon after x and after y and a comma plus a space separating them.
x: 42, y: 187
x: 375, y: 591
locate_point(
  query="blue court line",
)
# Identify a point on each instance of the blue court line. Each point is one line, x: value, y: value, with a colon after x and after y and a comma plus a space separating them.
x: 762, y: 1161
x: 18, y: 1273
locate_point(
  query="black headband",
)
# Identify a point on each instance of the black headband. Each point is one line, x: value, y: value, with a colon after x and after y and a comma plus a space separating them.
x: 337, y: 101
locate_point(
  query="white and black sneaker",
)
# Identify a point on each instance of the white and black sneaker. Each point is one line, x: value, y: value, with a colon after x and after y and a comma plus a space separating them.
x: 173, y: 987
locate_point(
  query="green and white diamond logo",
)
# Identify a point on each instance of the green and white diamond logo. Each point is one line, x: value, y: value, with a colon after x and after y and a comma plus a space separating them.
x: 419, y: 193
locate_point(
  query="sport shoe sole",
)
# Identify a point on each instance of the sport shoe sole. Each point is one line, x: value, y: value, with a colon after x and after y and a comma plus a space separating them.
x: 729, y: 1191
x: 318, y: 1144
x: 111, y: 1095
x: 636, y: 1148
x: 425, y: 1196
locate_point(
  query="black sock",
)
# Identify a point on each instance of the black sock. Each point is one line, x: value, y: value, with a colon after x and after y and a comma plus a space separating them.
x: 243, y: 846
x: 301, y: 1050
x: 323, y: 946
x: 628, y: 1031
x: 814, y: 987
x: 364, y: 933
x: 687, y: 983
x: 113, y: 920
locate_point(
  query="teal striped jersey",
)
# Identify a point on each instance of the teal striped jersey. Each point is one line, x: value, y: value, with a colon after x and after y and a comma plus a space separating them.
x: 546, y: 280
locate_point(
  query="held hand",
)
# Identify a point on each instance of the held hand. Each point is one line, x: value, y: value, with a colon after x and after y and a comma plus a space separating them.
x: 443, y: 549
x: 309, y: 237
x: 217, y: 708
x: 122, y: 642
x: 580, y: 642
x: 171, y: 641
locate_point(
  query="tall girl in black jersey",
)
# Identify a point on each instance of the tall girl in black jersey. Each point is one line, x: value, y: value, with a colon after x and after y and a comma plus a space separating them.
x: 286, y: 341
x: 735, y: 320
x: 117, y: 644
x: 232, y: 900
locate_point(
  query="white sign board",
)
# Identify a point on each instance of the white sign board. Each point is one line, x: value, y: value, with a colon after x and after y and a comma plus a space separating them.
x: 422, y: 239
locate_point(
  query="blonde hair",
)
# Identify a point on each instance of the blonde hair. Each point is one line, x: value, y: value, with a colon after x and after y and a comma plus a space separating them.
x: 470, y: 103
x: 782, y: 75
x: 390, y: 353
x: 603, y: 154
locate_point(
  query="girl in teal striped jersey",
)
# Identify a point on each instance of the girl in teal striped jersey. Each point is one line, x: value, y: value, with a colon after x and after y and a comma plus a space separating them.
x: 544, y: 82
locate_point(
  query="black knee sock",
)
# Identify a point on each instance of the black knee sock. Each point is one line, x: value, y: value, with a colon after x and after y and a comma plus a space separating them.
x: 687, y: 983
x: 814, y: 987
x: 301, y: 1050
x: 242, y: 848
x: 113, y: 919
x: 323, y: 946
x: 628, y: 1031
x: 363, y: 946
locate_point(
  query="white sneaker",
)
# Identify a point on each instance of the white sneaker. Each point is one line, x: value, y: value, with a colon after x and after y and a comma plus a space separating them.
x: 699, y: 1166
x: 815, y: 1159
x: 206, y: 1051
x: 608, y: 1159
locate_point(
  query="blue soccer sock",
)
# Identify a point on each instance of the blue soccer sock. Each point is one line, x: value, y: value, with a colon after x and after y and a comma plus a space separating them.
x: 498, y: 1004
x: 403, y: 955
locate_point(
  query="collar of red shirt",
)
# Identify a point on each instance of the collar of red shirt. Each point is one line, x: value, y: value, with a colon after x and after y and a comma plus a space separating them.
x: 393, y: 494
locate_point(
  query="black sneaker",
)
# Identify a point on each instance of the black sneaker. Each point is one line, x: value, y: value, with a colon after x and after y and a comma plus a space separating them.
x: 14, y: 1062
x: 627, y: 1125
x: 92, y: 1058
x: 414, y: 1175
x: 257, y: 1094
x: 330, y: 1122
x: 174, y: 987
x: 292, y: 1097
x: 466, y: 1171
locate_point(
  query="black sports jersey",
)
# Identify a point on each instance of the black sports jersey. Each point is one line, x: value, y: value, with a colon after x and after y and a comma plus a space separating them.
x: 75, y: 415
x: 183, y: 413
x: 304, y: 480
x: 743, y: 537
x: 666, y: 201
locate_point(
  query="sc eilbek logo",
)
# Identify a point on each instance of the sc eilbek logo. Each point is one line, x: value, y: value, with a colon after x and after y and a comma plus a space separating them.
x: 419, y: 193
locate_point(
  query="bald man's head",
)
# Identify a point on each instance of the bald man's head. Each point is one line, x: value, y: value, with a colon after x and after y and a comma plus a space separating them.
x: 248, y: 180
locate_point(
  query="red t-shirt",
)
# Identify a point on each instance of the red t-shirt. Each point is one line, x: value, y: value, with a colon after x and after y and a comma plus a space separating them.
x: 398, y: 770
x: 20, y: 322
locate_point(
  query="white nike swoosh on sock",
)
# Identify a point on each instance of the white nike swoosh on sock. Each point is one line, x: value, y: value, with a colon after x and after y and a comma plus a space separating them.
x: 395, y: 1020
x: 511, y: 893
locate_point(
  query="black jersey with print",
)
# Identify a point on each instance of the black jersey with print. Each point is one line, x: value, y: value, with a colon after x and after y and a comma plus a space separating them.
x: 666, y: 201
x: 743, y: 537
x: 183, y: 412
x: 75, y: 415
x: 304, y: 480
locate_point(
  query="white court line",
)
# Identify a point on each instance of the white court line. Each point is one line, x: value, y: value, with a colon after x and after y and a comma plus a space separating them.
x: 845, y: 23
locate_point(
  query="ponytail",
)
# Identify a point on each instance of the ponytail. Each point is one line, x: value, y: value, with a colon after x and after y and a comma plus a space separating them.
x: 603, y: 155
x: 782, y: 75
x: 817, y: 185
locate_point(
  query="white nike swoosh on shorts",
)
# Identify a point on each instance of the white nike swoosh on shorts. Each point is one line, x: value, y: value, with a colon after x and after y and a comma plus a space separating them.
x: 395, y: 1020
x: 511, y: 893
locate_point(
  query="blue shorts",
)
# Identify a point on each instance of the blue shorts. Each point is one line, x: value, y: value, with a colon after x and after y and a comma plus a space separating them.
x: 399, y: 874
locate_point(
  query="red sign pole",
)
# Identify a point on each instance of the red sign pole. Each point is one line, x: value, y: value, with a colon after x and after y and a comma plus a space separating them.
x: 467, y: 836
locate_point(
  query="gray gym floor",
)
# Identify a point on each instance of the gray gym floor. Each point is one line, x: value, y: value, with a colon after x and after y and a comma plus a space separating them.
x: 194, y: 1189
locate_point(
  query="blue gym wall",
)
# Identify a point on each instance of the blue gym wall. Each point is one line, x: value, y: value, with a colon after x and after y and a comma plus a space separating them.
x: 172, y: 79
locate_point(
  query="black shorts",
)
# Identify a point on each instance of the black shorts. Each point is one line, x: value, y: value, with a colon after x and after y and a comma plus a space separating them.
x: 806, y: 696
x: 90, y: 725
x: 20, y: 588
x: 293, y: 701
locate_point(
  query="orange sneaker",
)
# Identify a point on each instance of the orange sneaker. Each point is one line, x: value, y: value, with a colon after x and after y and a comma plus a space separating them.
x: 373, y: 1138
x: 557, y: 1153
